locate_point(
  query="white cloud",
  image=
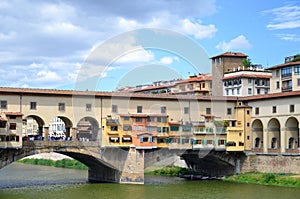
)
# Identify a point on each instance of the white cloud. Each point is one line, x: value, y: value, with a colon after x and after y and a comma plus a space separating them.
x: 5, y: 37
x: 238, y: 43
x: 285, y: 17
x: 289, y: 37
x: 197, y: 29
x: 168, y: 60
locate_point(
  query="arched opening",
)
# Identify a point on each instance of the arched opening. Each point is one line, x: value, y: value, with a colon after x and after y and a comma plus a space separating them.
x: 257, y: 143
x: 87, y: 129
x: 257, y: 134
x: 60, y: 128
x: 274, y: 134
x: 292, y: 133
x: 33, y: 128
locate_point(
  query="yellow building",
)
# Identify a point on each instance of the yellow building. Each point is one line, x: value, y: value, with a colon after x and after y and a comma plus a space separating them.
x: 11, y: 130
x: 239, y: 131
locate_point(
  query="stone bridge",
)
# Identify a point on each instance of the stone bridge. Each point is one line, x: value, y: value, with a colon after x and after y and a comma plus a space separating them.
x: 127, y: 165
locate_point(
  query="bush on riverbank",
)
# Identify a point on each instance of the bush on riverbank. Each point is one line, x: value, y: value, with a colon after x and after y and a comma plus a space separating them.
x: 64, y: 163
x: 168, y: 171
x: 288, y: 180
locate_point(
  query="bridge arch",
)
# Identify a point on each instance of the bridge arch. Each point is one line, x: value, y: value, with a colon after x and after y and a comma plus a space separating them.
x: 274, y: 134
x: 30, y: 125
x: 292, y: 133
x: 88, y: 129
x: 257, y: 134
x: 60, y: 126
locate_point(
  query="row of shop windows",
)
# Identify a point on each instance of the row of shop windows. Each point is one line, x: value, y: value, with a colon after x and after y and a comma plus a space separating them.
x: 9, y: 138
x: 12, y: 126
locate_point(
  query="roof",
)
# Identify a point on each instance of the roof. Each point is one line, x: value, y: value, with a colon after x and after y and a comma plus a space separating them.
x: 230, y: 54
x: 266, y: 76
x: 74, y: 93
x: 272, y: 95
x: 283, y: 65
x: 14, y: 113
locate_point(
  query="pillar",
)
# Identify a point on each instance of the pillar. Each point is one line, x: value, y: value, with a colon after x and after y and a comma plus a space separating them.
x: 282, y: 140
x: 133, y: 171
x: 265, y: 140
x: 74, y: 134
x: 46, y: 133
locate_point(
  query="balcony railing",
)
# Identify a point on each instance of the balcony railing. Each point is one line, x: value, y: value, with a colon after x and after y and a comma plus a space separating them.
x: 287, y: 88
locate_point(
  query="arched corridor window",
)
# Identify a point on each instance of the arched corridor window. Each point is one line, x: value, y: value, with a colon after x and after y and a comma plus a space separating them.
x: 274, y: 143
x: 291, y: 143
x: 257, y: 143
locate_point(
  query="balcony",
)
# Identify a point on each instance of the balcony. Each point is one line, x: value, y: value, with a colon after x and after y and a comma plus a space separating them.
x: 286, y: 88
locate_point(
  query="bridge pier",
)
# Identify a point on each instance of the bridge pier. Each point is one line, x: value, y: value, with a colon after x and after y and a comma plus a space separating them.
x: 133, y: 170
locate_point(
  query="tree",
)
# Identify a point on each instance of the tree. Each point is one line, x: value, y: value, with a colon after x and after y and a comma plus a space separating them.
x: 247, y: 62
x: 296, y: 58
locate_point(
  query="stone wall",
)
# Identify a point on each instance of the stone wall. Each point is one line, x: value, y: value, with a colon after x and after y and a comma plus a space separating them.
x: 271, y: 164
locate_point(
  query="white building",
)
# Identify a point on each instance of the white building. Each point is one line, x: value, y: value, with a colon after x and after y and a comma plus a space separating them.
x: 57, y: 128
x: 246, y: 83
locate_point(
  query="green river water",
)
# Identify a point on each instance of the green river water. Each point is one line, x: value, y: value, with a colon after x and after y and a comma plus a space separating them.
x: 20, y: 181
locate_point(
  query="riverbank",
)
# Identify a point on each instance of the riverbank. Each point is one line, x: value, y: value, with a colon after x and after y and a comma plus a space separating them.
x: 62, y: 163
x: 285, y: 180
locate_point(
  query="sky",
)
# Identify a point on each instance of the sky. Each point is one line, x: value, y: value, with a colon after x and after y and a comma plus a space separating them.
x: 107, y: 45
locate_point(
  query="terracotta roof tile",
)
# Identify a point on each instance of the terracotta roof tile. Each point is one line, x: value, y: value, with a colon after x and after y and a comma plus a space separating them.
x: 283, y: 65
x: 231, y: 54
x: 272, y: 95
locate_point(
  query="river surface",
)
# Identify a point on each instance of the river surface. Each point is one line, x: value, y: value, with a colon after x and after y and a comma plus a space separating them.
x: 21, y: 181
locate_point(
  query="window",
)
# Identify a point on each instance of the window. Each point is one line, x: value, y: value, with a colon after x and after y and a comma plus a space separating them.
x: 186, y: 128
x: 249, y: 81
x: 163, y: 119
x: 203, y: 85
x: 297, y: 70
x: 258, y: 91
x: 286, y: 71
x: 139, y: 109
x: 249, y: 90
x: 33, y: 105
x: 277, y: 73
x: 298, y: 82
x: 114, y: 108
x: 174, y: 128
x: 61, y: 106
x: 274, y: 109
x: 292, y: 108
x: 138, y: 119
x: 208, y: 110
x: 186, y: 110
x: 248, y: 112
x: 127, y: 128
x: 12, y: 126
x: 248, y: 124
x: 88, y: 107
x: 2, y: 124
x: 238, y: 91
x: 163, y: 110
x: 165, y: 129
x: 232, y: 91
x: 150, y: 119
x: 277, y: 85
x: 126, y: 118
x: 227, y: 92
x: 114, y: 128
x: 256, y: 110
x: 229, y: 111
x: 3, y: 104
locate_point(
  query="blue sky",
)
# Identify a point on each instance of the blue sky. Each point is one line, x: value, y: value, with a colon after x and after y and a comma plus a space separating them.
x: 49, y: 44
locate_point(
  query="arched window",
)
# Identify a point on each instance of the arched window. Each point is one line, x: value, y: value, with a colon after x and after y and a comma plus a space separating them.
x: 291, y: 143
x: 257, y: 142
x: 274, y: 143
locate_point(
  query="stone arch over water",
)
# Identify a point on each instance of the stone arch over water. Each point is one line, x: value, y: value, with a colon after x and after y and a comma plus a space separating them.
x: 88, y: 129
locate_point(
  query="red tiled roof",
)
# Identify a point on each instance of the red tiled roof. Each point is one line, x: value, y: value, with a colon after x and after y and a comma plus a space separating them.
x: 174, y: 123
x: 283, y: 65
x: 74, y: 93
x: 272, y: 95
x: 230, y: 54
x: 13, y: 113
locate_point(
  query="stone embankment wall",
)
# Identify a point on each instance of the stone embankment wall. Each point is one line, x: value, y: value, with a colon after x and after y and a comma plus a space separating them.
x: 271, y: 164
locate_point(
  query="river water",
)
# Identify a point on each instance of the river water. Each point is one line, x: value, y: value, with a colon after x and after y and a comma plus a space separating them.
x: 20, y: 181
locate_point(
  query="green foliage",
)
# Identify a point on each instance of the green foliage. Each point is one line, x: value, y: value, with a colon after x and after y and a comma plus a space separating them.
x: 247, y: 62
x: 267, y: 179
x: 297, y: 58
x: 169, y: 171
x: 64, y: 163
